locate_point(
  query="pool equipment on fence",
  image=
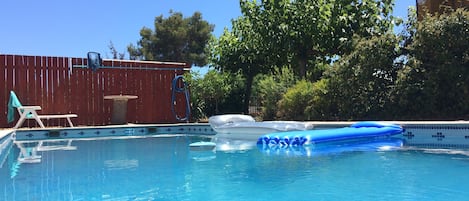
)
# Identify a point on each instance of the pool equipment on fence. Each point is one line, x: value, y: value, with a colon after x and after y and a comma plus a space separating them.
x: 180, y: 89
x: 94, y: 60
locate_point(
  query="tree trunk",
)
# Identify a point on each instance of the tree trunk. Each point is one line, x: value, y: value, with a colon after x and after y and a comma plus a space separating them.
x: 302, y: 66
x: 247, y: 96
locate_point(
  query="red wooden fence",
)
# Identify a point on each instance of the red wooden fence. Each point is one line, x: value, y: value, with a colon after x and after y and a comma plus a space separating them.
x: 64, y: 85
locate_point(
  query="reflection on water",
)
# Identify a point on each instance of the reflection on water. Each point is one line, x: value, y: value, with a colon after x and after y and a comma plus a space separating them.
x: 441, y: 151
x: 121, y: 164
x: 5, y: 146
x: 335, y: 147
x: 29, y: 149
x: 227, y: 144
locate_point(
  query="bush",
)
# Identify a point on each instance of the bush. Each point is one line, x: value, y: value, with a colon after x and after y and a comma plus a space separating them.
x: 295, y: 101
x: 361, y: 82
x: 269, y: 89
x: 434, y: 84
x: 215, y: 93
x: 307, y: 101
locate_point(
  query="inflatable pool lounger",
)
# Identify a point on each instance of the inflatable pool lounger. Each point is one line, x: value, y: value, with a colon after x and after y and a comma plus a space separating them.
x: 335, y: 147
x: 358, y: 130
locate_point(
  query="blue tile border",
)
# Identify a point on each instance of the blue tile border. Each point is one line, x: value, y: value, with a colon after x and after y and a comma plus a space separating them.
x: 66, y: 133
x: 450, y: 135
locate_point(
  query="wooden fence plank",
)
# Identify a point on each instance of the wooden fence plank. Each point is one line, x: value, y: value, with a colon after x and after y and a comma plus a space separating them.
x: 21, y: 77
x: 87, y: 83
x: 158, y: 93
x: 31, y: 77
x: 166, y: 97
x: 146, y: 87
x: 4, y: 94
x: 66, y: 84
x: 9, y: 80
x: 59, y: 90
x: 130, y: 89
x: 77, y: 91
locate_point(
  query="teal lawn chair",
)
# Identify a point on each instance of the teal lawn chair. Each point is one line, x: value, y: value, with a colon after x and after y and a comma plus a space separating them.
x: 30, y: 112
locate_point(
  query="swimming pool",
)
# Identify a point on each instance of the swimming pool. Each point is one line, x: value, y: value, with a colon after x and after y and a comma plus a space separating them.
x: 163, y: 167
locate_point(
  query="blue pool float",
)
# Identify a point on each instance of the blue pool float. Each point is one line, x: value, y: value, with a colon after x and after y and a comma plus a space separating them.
x: 335, y: 147
x: 366, y: 129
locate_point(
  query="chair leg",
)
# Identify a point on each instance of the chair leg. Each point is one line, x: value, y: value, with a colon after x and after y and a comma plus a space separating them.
x: 19, y: 123
x: 20, y: 120
x: 39, y: 121
x: 70, y: 121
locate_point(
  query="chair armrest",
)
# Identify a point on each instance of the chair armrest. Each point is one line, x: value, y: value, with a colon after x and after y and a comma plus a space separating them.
x: 35, y: 107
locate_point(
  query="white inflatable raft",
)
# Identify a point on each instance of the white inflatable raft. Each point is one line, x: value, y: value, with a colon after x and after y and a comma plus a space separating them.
x: 237, y: 126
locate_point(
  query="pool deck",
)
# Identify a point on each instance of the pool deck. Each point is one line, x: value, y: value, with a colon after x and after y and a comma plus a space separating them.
x: 5, y: 132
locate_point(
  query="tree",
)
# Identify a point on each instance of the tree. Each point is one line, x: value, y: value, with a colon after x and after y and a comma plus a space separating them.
x: 305, y: 31
x: 278, y: 33
x: 174, y: 39
x: 214, y: 93
x: 240, y: 51
x: 115, y: 54
x: 361, y: 82
x: 434, y: 83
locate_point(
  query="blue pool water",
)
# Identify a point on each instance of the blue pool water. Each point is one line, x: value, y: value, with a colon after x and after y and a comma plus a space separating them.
x: 164, y: 168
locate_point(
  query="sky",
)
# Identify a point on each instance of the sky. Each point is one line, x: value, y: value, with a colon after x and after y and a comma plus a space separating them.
x: 72, y: 28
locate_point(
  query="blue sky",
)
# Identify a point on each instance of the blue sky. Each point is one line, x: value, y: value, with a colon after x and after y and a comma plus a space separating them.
x: 72, y: 28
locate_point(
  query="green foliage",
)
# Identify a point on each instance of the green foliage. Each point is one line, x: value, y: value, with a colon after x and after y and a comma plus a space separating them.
x: 296, y: 100
x: 270, y: 89
x: 435, y: 82
x: 302, y: 34
x: 197, y: 103
x: 302, y: 31
x: 234, y: 103
x: 215, y: 93
x: 376, y: 75
x: 321, y: 105
x: 361, y: 82
x: 174, y: 39
x: 307, y: 101
x: 239, y: 51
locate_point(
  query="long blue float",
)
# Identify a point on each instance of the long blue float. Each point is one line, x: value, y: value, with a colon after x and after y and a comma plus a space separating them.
x: 335, y: 147
x: 355, y: 131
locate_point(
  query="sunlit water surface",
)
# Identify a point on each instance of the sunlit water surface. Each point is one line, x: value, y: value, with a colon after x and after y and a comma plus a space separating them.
x: 166, y: 169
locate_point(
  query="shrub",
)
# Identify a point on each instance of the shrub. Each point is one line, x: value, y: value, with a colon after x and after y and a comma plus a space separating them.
x: 269, y: 89
x: 215, y: 93
x: 434, y: 84
x: 360, y: 83
x: 295, y: 101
